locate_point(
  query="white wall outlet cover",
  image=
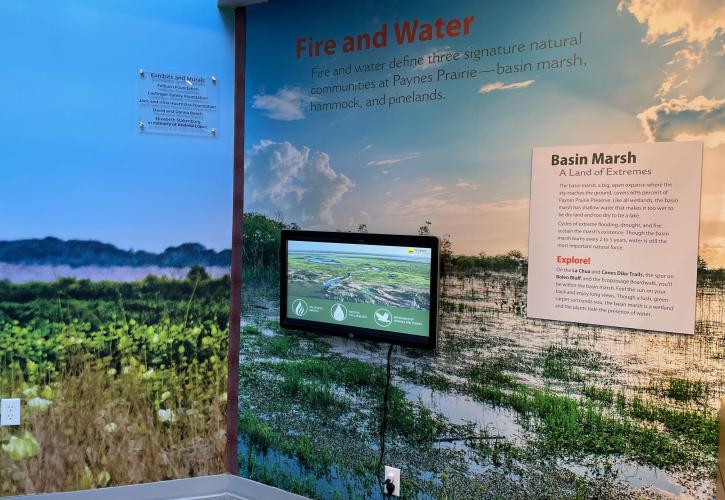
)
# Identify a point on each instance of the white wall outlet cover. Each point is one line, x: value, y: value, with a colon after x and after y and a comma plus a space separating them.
x: 10, y: 412
x: 394, y: 475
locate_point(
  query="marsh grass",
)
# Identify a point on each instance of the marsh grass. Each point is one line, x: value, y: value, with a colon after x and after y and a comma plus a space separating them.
x: 602, y: 394
x: 314, y: 456
x: 568, y: 426
x: 682, y: 390
x: 110, y: 399
x: 103, y: 431
x: 565, y: 363
x: 311, y: 394
x: 492, y: 372
x: 699, y: 426
x: 280, y: 346
x: 278, y: 476
x: 568, y: 397
x: 251, y: 330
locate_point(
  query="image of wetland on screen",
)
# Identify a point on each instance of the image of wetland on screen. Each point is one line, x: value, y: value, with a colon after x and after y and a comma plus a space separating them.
x: 363, y: 274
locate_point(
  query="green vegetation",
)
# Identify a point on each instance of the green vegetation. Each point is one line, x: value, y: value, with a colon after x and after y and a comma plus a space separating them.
x: 109, y: 372
x: 563, y: 363
x: 313, y: 395
x: 682, y: 390
x: 279, y: 477
x: 359, y: 279
x: 512, y: 261
x: 602, y: 394
x: 335, y: 392
x: 262, y: 438
x: 491, y: 372
x: 565, y: 425
x: 261, y: 246
x: 699, y: 426
x: 280, y: 346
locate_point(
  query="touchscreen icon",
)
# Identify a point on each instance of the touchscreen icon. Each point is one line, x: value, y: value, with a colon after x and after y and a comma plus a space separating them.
x: 383, y: 318
x: 338, y: 312
x: 299, y: 307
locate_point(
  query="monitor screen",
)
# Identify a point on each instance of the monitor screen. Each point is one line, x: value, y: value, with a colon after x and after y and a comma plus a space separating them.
x: 382, y: 287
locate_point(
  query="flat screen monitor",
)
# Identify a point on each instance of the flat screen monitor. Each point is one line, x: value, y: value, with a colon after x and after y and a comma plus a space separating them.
x: 372, y: 286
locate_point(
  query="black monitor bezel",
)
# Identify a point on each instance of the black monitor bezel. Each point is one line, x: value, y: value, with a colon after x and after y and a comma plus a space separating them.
x: 429, y: 342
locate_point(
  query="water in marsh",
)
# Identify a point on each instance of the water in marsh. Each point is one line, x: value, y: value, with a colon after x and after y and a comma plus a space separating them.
x: 516, y: 407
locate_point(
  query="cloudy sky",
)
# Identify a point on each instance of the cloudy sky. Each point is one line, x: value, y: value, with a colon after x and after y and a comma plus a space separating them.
x: 655, y: 70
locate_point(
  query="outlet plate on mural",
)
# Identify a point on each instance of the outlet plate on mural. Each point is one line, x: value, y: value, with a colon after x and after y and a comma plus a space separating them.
x: 10, y: 412
x: 394, y: 475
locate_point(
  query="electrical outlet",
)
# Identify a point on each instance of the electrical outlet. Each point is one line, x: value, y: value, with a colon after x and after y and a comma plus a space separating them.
x: 393, y: 474
x: 10, y: 412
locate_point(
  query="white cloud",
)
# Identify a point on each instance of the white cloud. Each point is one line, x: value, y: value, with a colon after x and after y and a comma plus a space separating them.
x: 394, y: 159
x: 680, y: 119
x: 303, y: 187
x: 696, y: 24
x: 490, y: 87
x: 435, y: 189
x: 466, y: 185
x: 285, y: 105
x: 711, y: 139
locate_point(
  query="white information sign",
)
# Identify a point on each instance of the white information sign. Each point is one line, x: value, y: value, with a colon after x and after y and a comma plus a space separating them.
x: 613, y: 234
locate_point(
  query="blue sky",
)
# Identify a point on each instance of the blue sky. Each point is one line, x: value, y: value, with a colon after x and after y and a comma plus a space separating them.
x: 464, y: 163
x: 73, y: 162
x: 75, y: 166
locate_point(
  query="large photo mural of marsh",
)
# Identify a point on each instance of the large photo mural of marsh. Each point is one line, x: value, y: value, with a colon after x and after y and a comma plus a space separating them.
x: 403, y: 136
x: 114, y: 259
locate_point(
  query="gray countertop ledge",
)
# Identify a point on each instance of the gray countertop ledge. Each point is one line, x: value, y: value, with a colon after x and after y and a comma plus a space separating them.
x: 220, y: 487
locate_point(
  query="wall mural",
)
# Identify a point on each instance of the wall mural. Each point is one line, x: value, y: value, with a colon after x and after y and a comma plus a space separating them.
x: 420, y: 117
x: 114, y: 260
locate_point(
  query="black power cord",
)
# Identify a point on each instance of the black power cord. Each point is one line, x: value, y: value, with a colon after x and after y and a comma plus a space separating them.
x: 386, y: 486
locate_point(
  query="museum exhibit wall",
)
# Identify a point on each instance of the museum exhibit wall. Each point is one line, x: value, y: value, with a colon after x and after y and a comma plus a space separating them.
x: 114, y: 244
x: 421, y: 117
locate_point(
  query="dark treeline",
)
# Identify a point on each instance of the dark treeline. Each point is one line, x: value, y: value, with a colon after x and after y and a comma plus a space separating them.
x: 77, y: 253
x: 705, y: 274
x: 513, y: 261
x: 262, y: 241
x: 261, y: 253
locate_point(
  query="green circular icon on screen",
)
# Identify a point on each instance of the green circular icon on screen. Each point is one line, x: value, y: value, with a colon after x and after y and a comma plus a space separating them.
x: 338, y: 312
x: 299, y: 307
x: 383, y: 318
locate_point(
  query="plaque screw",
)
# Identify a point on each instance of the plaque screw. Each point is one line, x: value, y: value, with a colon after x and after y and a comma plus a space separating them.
x: 213, y: 79
x: 140, y: 125
x: 213, y: 131
x: 140, y: 71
